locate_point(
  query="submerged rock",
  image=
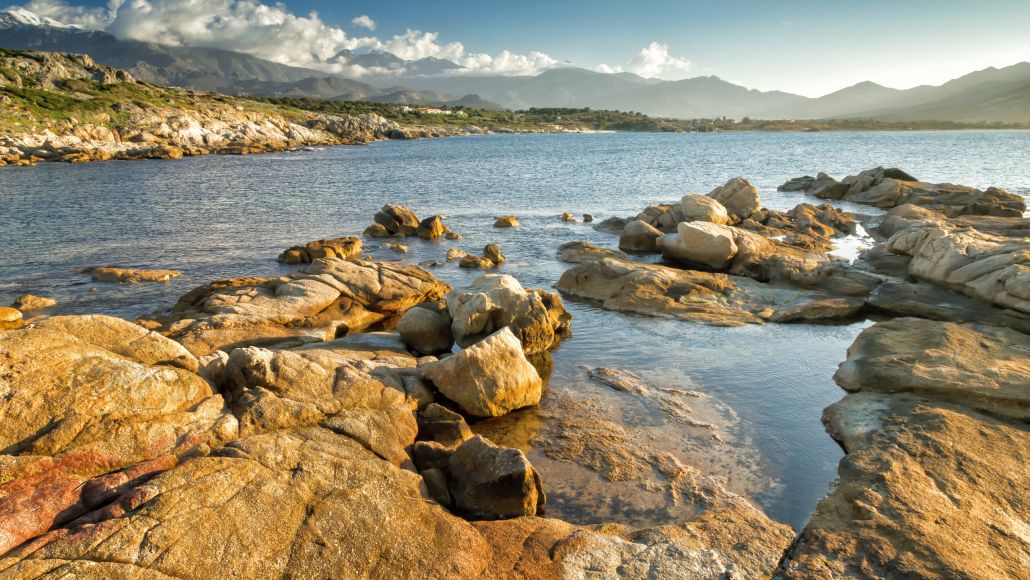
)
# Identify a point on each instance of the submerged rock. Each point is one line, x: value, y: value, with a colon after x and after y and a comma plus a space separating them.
x: 509, y: 221
x: 613, y: 225
x: 129, y: 276
x: 488, y: 379
x: 580, y: 252
x: 345, y: 247
x: 31, y: 303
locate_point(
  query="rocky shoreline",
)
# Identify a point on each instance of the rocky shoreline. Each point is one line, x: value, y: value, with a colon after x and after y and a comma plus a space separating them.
x: 318, y: 423
x: 122, y: 118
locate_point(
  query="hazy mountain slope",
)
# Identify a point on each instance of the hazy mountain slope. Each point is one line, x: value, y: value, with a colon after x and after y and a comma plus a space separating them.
x: 859, y: 97
x: 990, y: 101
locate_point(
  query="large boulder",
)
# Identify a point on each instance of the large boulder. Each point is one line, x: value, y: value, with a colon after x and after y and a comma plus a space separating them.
x: 345, y: 247
x: 398, y: 219
x: 443, y: 426
x: 426, y: 330
x: 488, y: 379
x: 431, y: 228
x: 738, y: 196
x: 638, y: 236
x: 326, y: 299
x: 283, y: 389
x: 491, y: 482
x: 703, y: 243
x: 700, y: 208
x: 496, y: 301
x: 664, y: 217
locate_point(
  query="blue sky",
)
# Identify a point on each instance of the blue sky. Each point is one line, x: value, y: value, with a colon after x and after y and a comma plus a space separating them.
x: 805, y: 46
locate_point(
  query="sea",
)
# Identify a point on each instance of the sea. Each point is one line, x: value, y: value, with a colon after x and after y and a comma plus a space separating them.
x: 223, y: 216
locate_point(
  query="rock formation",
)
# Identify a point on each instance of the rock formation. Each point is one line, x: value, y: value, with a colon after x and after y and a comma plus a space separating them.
x: 345, y: 247
x: 326, y: 299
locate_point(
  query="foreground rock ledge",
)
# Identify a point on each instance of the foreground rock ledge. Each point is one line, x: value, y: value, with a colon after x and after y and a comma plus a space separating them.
x: 931, y: 486
x: 300, y: 471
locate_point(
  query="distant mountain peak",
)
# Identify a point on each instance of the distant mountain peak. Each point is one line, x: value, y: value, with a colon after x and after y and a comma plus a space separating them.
x: 20, y: 17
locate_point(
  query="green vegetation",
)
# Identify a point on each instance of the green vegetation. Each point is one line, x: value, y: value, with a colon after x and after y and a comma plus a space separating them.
x: 586, y: 118
x: 25, y: 103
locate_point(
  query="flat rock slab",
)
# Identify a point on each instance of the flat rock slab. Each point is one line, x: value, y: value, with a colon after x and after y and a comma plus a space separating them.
x: 936, y: 303
x: 980, y: 367
x: 709, y: 298
x: 928, y: 490
x: 128, y: 276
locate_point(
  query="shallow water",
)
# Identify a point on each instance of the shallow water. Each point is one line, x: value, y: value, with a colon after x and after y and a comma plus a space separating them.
x: 216, y: 217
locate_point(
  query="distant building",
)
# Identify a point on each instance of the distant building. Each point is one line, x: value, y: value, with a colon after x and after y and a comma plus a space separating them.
x: 430, y: 111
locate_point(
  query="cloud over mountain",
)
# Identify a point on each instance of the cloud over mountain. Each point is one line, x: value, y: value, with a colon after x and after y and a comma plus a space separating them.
x: 654, y: 61
x: 272, y: 32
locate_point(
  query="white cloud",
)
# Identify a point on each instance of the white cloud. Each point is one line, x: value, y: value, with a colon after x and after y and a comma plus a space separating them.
x: 654, y: 61
x: 272, y: 32
x: 92, y: 18
x: 364, y: 21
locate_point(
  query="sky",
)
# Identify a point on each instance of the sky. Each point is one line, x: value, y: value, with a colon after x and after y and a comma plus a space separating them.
x: 809, y: 47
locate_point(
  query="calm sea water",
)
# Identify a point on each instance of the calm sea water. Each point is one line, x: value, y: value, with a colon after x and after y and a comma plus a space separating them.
x: 215, y: 217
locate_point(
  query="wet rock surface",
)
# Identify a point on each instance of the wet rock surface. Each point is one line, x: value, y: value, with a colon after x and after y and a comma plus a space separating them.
x: 130, y: 276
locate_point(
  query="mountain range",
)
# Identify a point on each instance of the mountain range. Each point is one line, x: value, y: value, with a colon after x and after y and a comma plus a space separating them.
x: 989, y: 95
